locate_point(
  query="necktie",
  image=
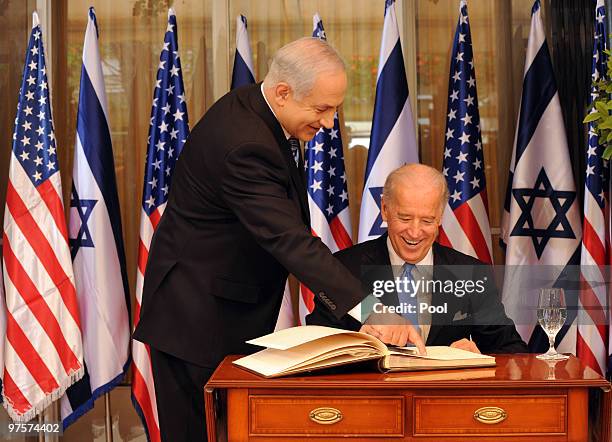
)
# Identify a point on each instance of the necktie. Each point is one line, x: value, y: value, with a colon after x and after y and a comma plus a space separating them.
x: 295, y: 149
x: 407, y: 299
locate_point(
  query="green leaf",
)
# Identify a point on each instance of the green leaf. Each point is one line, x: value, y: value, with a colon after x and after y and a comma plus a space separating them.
x: 601, y: 108
x: 607, y: 153
x: 605, y: 124
x: 609, y: 137
x: 594, y: 116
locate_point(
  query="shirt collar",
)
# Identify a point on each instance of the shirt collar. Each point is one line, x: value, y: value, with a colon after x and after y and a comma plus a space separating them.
x: 395, y: 259
x: 287, y: 134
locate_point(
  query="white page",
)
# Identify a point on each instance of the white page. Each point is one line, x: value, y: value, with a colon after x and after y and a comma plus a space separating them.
x: 444, y: 353
x: 294, y: 336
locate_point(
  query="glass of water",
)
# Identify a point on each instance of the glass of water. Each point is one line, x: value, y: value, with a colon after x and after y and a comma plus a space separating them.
x: 551, y: 317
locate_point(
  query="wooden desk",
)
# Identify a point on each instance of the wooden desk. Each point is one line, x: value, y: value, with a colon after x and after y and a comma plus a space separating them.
x: 522, y: 399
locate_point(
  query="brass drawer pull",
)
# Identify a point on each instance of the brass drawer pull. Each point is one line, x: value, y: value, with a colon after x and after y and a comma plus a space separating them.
x: 490, y: 415
x: 325, y: 415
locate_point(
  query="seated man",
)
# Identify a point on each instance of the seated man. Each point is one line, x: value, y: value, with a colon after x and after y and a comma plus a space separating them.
x: 414, y: 198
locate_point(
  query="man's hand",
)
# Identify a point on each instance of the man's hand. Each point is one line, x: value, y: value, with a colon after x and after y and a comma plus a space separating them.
x: 399, y: 335
x: 393, y: 329
x: 466, y: 344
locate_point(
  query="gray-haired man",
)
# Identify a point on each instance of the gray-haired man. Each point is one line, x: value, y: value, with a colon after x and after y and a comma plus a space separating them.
x: 236, y: 223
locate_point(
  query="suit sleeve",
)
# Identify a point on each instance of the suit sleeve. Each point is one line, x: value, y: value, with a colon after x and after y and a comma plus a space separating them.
x: 323, y: 316
x: 254, y: 186
x: 492, y: 330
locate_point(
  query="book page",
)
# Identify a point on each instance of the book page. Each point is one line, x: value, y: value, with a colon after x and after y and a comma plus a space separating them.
x: 294, y: 336
x: 272, y: 361
x: 444, y: 353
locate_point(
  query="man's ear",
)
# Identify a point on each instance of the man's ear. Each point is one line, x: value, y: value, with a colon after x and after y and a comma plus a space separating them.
x: 281, y: 93
x: 383, y: 208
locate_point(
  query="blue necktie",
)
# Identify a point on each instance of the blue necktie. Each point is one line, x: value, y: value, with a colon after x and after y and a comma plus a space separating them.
x: 295, y: 149
x: 405, y: 298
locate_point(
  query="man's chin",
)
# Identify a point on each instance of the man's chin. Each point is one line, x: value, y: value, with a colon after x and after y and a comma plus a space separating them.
x: 413, y: 256
x: 308, y: 134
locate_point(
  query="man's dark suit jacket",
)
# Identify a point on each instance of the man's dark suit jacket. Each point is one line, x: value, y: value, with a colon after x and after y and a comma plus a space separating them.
x: 236, y: 222
x: 480, y: 316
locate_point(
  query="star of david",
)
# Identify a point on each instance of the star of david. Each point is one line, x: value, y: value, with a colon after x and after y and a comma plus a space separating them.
x: 84, y: 209
x: 559, y: 226
x: 377, y: 227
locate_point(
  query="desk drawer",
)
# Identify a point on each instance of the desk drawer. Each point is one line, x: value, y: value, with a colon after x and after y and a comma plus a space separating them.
x: 272, y: 415
x: 490, y: 415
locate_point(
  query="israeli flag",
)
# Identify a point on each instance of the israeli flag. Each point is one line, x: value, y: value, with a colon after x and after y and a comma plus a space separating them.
x: 96, y: 243
x: 393, y: 141
x: 541, y: 227
x: 243, y: 72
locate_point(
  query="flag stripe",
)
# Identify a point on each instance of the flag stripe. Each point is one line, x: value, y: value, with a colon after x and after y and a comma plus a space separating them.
x: 36, y: 303
x: 593, y: 243
x: 307, y: 298
x: 471, y: 227
x: 44, y: 251
x: 481, y: 212
x: 155, y: 217
x: 341, y: 236
x: 144, y: 401
x: 454, y: 234
x: 243, y: 72
x: 539, y: 88
x: 585, y: 354
x: 51, y: 197
x: 29, y: 356
x: 18, y: 400
x: 143, y: 256
x: 94, y: 136
x: 391, y: 96
x: 443, y: 238
x: 592, y: 306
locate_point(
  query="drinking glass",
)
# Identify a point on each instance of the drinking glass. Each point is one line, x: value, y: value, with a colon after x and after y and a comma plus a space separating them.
x: 552, y: 313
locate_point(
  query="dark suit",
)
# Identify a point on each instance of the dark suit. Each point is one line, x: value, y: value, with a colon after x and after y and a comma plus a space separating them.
x: 480, y: 316
x: 236, y: 223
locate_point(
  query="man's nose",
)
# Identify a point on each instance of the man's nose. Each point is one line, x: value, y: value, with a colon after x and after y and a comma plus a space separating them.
x: 413, y: 229
x: 327, y: 120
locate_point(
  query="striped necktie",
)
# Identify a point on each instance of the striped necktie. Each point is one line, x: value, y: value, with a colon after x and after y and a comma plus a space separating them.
x: 295, y: 149
x: 405, y: 296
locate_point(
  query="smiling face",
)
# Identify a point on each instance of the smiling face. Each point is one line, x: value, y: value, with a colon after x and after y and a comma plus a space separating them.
x: 413, y: 215
x: 302, y: 117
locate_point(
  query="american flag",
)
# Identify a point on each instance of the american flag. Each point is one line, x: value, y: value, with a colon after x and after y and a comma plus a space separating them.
x: 2, y: 323
x: 168, y: 131
x: 43, y: 348
x: 592, y: 336
x: 465, y: 224
x: 327, y: 190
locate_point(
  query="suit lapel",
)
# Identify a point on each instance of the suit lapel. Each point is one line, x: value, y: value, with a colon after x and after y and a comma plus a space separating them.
x: 296, y: 173
x: 377, y: 259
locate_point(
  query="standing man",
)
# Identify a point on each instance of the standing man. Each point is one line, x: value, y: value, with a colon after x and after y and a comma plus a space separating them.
x: 236, y: 223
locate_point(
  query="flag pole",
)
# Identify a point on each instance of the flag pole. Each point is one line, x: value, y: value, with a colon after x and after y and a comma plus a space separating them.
x: 41, y: 434
x: 108, y: 424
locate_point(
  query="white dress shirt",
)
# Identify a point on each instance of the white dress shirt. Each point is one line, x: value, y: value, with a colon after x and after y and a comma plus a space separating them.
x: 423, y: 269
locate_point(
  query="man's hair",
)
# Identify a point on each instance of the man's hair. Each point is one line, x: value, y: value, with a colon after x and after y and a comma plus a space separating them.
x: 300, y: 62
x: 416, y: 171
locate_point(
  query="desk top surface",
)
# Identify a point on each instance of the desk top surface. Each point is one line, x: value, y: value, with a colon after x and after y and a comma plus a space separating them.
x: 516, y: 371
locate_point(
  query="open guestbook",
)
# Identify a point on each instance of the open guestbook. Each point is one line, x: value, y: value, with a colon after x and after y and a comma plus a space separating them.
x: 312, y: 347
